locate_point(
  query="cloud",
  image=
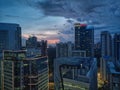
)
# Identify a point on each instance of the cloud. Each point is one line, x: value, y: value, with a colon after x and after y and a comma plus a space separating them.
x: 40, y: 16
x: 98, y: 11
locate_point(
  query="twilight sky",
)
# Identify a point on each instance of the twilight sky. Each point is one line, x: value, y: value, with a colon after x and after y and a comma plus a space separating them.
x: 53, y: 19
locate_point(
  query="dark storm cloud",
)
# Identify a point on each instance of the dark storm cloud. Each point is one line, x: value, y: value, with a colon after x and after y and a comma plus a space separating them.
x: 99, y: 11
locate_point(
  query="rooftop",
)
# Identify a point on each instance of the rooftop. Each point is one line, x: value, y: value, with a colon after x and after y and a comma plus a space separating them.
x: 75, y: 60
x: 8, y: 26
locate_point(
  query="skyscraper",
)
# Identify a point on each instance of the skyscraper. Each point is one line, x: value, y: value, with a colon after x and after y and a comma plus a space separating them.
x: 117, y: 47
x: 106, y: 53
x: 10, y: 39
x: 10, y: 36
x: 84, y: 38
x: 106, y: 44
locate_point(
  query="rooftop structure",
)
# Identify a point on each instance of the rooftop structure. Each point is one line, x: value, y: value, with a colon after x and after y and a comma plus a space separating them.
x: 75, y: 73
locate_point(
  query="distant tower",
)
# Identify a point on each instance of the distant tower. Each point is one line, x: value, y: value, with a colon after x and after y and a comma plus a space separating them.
x: 44, y: 47
x: 106, y: 52
x: 31, y: 42
x: 63, y: 49
x: 106, y: 44
x: 84, y: 39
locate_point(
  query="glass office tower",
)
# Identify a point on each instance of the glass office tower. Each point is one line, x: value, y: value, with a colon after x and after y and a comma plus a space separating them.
x: 84, y: 38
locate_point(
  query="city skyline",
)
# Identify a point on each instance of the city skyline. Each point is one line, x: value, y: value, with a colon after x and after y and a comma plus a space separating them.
x: 53, y: 20
x: 59, y: 44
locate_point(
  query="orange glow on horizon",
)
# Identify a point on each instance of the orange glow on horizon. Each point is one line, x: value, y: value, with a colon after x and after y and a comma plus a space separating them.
x: 53, y: 41
x: 25, y: 36
x: 50, y: 41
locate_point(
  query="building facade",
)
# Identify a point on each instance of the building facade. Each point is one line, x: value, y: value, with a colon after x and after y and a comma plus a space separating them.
x: 10, y: 39
x: 10, y: 36
x: 31, y: 42
x: 36, y: 46
x: 113, y: 76
x: 75, y: 73
x: 103, y: 67
x: 44, y: 47
x: 84, y: 39
x: 106, y: 44
x: 24, y: 73
x: 79, y: 53
x: 117, y: 47
x: 63, y: 49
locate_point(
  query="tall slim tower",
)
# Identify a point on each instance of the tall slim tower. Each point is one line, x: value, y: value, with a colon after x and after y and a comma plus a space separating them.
x: 106, y: 44
x: 84, y: 39
x: 117, y: 47
x: 106, y: 53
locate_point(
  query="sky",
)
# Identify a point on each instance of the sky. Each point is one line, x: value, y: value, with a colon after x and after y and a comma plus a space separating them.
x: 53, y: 20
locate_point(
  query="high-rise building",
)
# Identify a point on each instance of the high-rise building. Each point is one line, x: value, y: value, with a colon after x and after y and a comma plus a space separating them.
x: 24, y: 73
x: 117, y: 47
x: 31, y: 42
x: 10, y: 39
x: 75, y: 73
x: 33, y: 45
x: 106, y: 53
x: 10, y: 36
x: 106, y: 44
x: 84, y: 38
x: 63, y: 49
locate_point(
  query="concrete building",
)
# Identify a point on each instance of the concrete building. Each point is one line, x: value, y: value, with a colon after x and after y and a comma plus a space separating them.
x: 33, y: 52
x: 75, y: 73
x: 24, y: 73
x: 63, y: 49
x: 84, y: 38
